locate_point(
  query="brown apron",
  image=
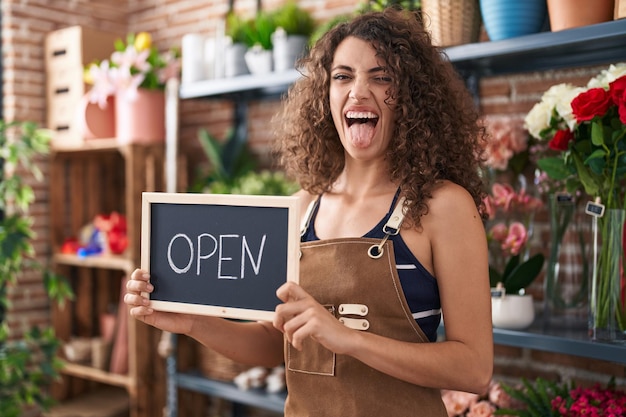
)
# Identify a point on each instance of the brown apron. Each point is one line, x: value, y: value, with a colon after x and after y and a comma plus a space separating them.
x: 364, y: 293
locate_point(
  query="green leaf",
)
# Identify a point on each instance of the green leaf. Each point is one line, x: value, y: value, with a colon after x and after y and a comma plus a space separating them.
x: 597, y: 133
x: 554, y: 167
x: 523, y: 274
x: 588, y: 182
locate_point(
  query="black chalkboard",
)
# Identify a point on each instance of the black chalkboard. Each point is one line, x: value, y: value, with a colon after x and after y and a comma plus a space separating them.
x: 221, y: 255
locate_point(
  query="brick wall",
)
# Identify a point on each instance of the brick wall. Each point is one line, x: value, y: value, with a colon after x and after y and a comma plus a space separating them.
x: 25, y: 23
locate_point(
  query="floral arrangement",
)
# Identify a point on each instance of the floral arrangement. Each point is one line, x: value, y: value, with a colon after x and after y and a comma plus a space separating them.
x: 135, y: 64
x: 585, y: 130
x: 543, y: 398
x: 510, y: 215
x: 465, y: 404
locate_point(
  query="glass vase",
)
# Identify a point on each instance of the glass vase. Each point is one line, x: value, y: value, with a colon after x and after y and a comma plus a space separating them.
x: 607, y: 306
x: 567, y: 273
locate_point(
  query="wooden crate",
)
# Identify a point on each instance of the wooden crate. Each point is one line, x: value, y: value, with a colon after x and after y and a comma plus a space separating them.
x: 99, y: 178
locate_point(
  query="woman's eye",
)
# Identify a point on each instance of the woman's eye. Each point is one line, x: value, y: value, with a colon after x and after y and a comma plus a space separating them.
x: 383, y: 79
x: 340, y: 77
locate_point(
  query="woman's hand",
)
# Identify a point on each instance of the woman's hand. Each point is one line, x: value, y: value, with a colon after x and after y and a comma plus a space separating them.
x: 137, y: 287
x: 301, y: 316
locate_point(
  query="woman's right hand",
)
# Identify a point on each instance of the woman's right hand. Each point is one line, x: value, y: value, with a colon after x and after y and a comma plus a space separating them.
x: 136, y: 289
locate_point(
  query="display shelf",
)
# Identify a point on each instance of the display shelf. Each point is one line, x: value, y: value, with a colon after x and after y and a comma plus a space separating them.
x: 115, y: 262
x: 569, y: 342
x: 588, y: 45
x: 96, y: 375
x: 253, y: 397
x: 263, y: 84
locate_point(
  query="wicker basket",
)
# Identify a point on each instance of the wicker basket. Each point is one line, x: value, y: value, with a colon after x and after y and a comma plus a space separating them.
x: 452, y: 22
x: 217, y: 366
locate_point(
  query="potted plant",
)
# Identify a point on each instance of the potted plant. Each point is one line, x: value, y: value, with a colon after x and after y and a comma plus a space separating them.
x: 511, y: 268
x: 294, y: 26
x: 258, y: 33
x: 235, y: 46
x: 29, y: 363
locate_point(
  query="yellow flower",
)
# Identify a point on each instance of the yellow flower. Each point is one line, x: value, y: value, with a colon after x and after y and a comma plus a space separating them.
x: 143, y: 41
x: 87, y: 75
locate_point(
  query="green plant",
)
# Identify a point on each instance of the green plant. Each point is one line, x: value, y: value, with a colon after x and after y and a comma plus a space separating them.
x: 536, y: 398
x: 234, y: 27
x: 321, y: 29
x: 378, y: 5
x: 294, y: 20
x: 228, y: 160
x: 258, y: 31
x: 27, y: 365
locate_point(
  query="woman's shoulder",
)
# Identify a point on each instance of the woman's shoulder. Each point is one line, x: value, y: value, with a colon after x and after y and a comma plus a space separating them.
x: 450, y: 196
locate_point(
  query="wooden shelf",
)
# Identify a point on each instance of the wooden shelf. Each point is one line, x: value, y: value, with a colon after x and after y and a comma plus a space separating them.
x: 114, y: 262
x: 97, y: 375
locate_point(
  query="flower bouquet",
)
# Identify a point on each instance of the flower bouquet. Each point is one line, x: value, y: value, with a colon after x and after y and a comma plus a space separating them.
x: 585, y: 128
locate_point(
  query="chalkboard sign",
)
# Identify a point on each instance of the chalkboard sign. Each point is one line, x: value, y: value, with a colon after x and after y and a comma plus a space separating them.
x: 217, y: 254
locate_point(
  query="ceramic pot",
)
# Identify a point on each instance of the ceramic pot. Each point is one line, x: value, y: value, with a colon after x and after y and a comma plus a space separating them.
x: 505, y: 19
x: 287, y: 49
x: 234, y: 61
x: 259, y: 60
x: 512, y: 311
x: 94, y: 122
x: 567, y: 14
x: 140, y: 119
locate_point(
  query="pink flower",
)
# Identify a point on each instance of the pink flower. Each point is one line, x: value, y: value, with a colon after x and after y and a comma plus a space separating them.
x: 481, y: 409
x: 458, y: 402
x: 498, y: 396
x: 499, y: 232
x: 516, y: 238
x: 506, y: 138
x: 502, y: 195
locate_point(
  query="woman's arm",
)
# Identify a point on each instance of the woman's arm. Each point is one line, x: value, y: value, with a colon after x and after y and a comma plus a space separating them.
x: 453, y: 238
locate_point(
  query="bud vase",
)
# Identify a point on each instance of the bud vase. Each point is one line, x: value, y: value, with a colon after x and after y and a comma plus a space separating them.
x: 607, y: 304
x: 568, y: 270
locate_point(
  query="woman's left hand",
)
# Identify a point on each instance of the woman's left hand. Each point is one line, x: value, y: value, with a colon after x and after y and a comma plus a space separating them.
x: 301, y: 316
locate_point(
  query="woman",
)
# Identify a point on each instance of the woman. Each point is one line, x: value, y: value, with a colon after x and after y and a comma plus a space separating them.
x: 383, y: 139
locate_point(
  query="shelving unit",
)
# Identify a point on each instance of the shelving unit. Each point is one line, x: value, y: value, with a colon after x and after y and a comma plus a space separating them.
x: 98, y: 178
x: 591, y: 45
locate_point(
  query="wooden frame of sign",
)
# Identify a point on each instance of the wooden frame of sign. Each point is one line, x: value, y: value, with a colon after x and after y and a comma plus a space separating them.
x: 221, y: 255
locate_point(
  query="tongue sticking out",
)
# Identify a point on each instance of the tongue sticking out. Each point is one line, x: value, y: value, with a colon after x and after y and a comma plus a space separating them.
x: 361, y: 134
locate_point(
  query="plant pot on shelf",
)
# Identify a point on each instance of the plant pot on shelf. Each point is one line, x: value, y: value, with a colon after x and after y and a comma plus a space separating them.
x: 259, y: 60
x: 505, y: 19
x: 94, y: 122
x: 567, y: 14
x: 452, y: 22
x: 513, y: 312
x: 234, y: 59
x: 140, y: 119
x: 287, y: 49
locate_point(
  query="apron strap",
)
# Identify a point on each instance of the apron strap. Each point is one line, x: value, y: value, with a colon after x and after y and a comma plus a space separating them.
x: 391, y: 228
x: 306, y: 220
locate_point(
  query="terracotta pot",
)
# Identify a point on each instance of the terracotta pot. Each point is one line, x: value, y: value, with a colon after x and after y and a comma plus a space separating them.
x: 141, y: 120
x: 566, y: 14
x: 94, y: 122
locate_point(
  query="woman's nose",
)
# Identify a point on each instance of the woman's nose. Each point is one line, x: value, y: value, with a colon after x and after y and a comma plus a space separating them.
x: 360, y: 89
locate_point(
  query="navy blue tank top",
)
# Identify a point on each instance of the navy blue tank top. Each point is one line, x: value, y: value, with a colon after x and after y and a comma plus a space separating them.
x: 419, y: 286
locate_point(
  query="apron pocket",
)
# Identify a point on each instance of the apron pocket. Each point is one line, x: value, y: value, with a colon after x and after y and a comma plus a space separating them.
x: 312, y: 359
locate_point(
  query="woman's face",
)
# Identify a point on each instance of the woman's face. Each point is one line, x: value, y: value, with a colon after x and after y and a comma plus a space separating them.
x: 358, y: 90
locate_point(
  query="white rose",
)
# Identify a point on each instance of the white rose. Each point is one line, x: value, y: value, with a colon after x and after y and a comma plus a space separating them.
x: 538, y: 118
x: 607, y: 76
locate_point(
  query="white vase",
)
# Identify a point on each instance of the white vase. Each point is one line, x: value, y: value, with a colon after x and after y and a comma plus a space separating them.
x: 259, y: 60
x: 287, y: 49
x: 512, y: 311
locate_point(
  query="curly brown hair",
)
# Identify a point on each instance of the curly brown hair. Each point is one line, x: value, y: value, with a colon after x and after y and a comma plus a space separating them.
x: 436, y: 137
